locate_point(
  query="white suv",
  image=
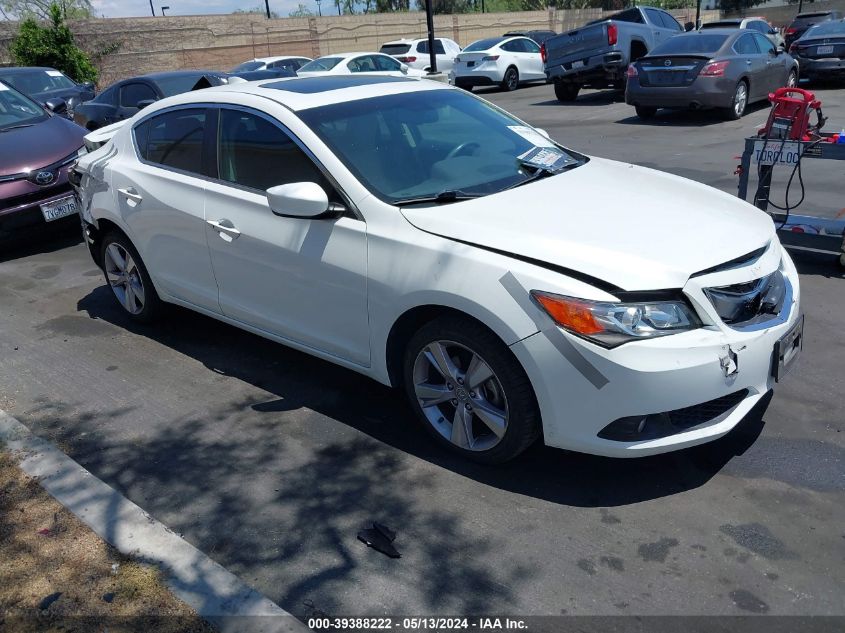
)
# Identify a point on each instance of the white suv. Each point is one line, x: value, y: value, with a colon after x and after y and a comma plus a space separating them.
x: 415, y: 53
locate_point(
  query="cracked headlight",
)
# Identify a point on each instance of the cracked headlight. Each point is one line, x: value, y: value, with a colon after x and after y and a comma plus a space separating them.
x: 611, y: 324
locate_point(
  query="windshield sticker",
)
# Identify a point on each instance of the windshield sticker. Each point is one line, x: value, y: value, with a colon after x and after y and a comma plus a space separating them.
x: 54, y: 73
x: 546, y: 158
x: 532, y: 136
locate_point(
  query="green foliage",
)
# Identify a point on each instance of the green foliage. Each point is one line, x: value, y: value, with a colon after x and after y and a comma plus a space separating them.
x: 52, y: 46
x: 301, y: 12
x: 263, y: 11
x: 40, y: 9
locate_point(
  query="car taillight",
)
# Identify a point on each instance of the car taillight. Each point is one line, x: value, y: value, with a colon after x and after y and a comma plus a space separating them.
x: 632, y: 71
x: 714, y: 69
x: 612, y: 34
x: 407, y: 60
x: 543, y: 52
x: 490, y: 58
x: 793, y: 48
x: 791, y: 30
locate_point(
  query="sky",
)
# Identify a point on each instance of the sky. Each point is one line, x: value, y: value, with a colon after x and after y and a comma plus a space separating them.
x: 133, y: 8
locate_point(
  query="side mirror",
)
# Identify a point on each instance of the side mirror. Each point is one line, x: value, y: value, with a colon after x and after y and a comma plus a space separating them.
x: 56, y: 106
x: 143, y: 104
x: 780, y: 50
x: 88, y: 85
x: 689, y: 26
x: 298, y: 200
x: 404, y: 68
x: 543, y: 132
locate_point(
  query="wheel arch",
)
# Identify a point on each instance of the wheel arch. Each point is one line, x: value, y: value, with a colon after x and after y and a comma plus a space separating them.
x: 638, y: 49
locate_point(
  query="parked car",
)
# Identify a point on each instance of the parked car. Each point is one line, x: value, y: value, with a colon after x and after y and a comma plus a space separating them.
x: 125, y: 98
x: 37, y: 147
x: 753, y: 23
x: 598, y: 54
x: 804, y: 21
x: 537, y: 36
x: 414, y: 233
x: 349, y: 63
x: 498, y: 61
x: 415, y: 53
x: 44, y: 84
x: 259, y: 75
x: 820, y: 52
x: 718, y: 68
x: 283, y: 62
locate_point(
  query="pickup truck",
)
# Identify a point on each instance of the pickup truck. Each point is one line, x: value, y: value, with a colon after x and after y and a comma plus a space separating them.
x: 597, y: 54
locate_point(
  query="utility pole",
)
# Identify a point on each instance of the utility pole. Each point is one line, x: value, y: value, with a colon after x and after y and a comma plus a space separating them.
x: 267, y: 5
x: 432, y: 56
x: 152, y: 8
x: 800, y: 5
x: 698, y: 14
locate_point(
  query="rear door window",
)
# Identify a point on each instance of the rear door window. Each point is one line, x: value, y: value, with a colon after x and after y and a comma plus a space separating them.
x: 173, y: 139
x: 764, y: 43
x: 745, y: 45
x: 131, y: 94
x: 422, y: 47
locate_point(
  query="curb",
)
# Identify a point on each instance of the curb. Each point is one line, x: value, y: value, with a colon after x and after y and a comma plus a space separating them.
x: 214, y: 593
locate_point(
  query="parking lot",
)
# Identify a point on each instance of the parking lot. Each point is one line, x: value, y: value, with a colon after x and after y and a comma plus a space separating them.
x: 270, y: 461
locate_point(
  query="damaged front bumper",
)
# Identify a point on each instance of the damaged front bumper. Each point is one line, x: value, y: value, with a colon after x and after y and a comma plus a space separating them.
x: 671, y: 392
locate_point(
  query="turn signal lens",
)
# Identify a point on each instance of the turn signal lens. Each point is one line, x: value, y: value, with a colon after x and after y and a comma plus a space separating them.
x: 714, y: 69
x: 543, y: 55
x: 632, y: 71
x: 612, y: 323
x: 490, y: 58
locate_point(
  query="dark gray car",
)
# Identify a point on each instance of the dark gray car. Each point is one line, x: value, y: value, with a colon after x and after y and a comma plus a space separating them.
x: 720, y: 68
x: 48, y: 84
x: 821, y: 51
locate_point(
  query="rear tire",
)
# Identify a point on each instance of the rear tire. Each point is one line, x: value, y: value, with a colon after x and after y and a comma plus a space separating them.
x: 739, y: 102
x: 792, y: 79
x: 128, y: 279
x: 566, y: 92
x: 510, y: 81
x: 478, y: 400
x: 645, y: 112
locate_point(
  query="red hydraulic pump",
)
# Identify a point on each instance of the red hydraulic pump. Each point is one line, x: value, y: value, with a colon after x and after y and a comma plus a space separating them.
x: 789, y: 119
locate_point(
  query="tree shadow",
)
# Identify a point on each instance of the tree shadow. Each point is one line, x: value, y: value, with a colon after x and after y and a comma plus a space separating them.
x: 597, y: 98
x: 297, y: 381
x: 819, y: 264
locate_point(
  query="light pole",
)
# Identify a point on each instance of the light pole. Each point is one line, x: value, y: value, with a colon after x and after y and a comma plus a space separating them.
x: 163, y: 9
x: 319, y: 11
x: 698, y: 14
x: 267, y: 6
x: 152, y: 8
x: 432, y: 56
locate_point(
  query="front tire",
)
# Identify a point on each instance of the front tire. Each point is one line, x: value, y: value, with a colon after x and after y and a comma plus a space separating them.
x: 469, y: 391
x: 128, y: 278
x: 792, y: 79
x: 510, y: 81
x: 566, y: 92
x: 645, y: 112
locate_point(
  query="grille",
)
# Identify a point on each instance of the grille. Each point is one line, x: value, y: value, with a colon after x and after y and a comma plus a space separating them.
x: 35, y: 196
x: 656, y: 425
x: 749, y: 302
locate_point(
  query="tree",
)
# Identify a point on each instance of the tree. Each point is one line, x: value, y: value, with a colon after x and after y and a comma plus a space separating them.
x: 40, y: 9
x: 260, y: 11
x: 389, y: 6
x: 52, y: 46
x: 301, y: 12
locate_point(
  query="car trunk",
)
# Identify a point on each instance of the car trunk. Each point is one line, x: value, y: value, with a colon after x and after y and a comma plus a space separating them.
x: 823, y: 48
x: 670, y: 70
x: 470, y: 60
x: 589, y: 38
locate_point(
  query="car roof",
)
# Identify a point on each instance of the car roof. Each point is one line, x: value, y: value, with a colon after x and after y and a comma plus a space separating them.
x: 177, y: 73
x: 14, y: 70
x: 348, y: 55
x: 277, y: 58
x: 814, y: 14
x: 302, y: 93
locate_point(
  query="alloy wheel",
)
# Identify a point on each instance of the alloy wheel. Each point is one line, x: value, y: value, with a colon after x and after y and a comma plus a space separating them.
x: 792, y: 80
x: 512, y: 79
x: 460, y: 395
x: 740, y: 98
x: 124, y: 278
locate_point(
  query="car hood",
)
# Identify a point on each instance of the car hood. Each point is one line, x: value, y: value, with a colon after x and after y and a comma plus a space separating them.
x: 76, y: 94
x: 38, y: 145
x: 633, y: 227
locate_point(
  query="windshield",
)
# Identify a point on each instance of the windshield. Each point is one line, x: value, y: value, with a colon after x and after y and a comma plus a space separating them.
x: 17, y: 110
x: 246, y: 66
x: 826, y: 28
x: 415, y: 145
x: 395, y: 49
x: 321, y: 64
x: 730, y: 24
x: 483, y: 45
x: 38, y: 81
x: 694, y: 43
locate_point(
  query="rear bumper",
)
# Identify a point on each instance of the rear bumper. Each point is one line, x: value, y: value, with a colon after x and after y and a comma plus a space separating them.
x: 476, y: 77
x: 821, y: 67
x: 602, y: 68
x: 702, y: 93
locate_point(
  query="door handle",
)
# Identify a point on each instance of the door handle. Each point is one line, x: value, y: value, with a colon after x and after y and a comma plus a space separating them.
x: 748, y: 61
x: 131, y: 194
x: 229, y: 231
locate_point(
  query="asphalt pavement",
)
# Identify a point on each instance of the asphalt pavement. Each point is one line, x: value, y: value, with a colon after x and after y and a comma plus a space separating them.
x: 271, y: 461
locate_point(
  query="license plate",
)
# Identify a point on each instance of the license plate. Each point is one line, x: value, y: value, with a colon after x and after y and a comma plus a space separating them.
x: 824, y: 50
x: 662, y: 77
x: 788, y: 349
x: 775, y: 151
x: 470, y: 64
x: 577, y: 64
x: 61, y: 208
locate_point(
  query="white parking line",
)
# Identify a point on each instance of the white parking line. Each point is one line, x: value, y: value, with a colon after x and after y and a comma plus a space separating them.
x: 213, y: 592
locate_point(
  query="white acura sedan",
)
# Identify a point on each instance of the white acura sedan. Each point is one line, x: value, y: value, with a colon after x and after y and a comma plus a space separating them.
x: 410, y: 231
